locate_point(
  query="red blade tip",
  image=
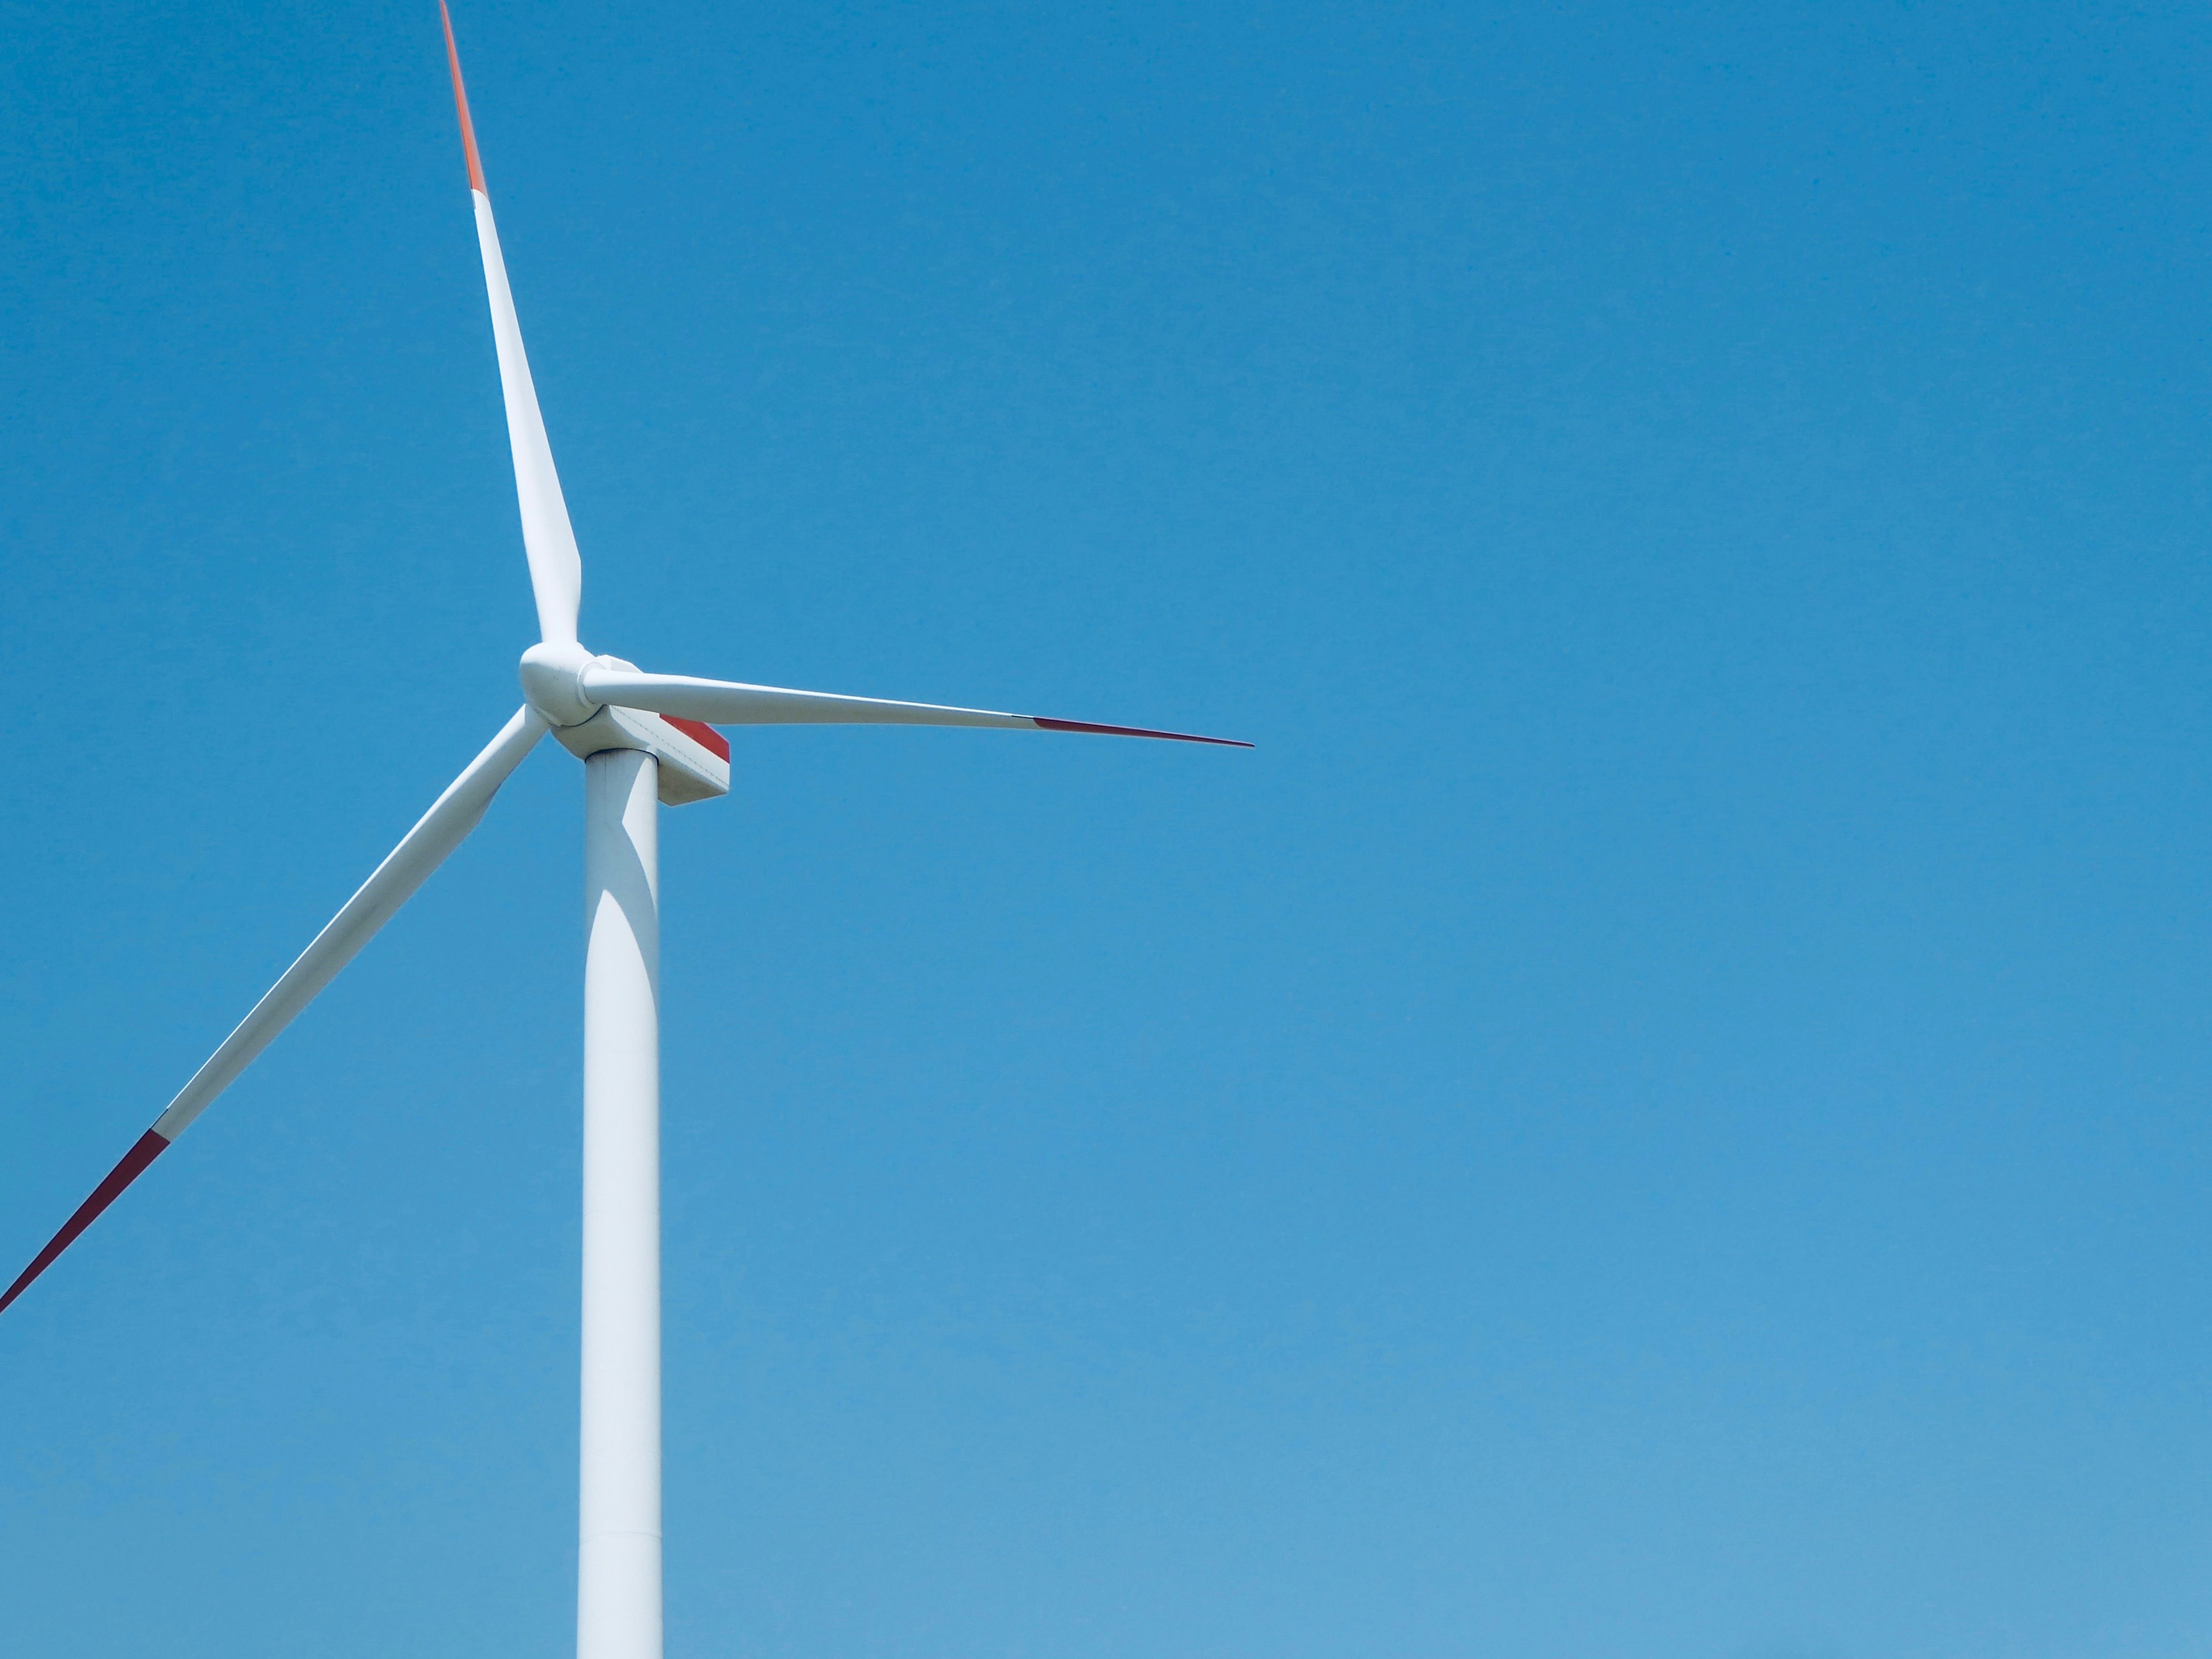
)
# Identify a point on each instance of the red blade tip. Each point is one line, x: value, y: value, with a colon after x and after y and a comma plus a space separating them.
x: 1135, y: 731
x: 149, y: 1147
x: 461, y: 102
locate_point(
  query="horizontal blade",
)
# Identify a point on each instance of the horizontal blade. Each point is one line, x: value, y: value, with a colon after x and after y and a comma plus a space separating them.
x: 441, y: 829
x: 557, y: 570
x: 724, y: 702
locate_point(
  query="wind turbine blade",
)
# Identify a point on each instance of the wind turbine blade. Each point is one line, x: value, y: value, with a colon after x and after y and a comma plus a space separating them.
x: 724, y: 702
x: 556, y: 571
x: 424, y: 847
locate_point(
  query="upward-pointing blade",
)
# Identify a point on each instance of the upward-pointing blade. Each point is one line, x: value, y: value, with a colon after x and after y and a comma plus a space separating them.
x: 424, y: 849
x: 556, y: 571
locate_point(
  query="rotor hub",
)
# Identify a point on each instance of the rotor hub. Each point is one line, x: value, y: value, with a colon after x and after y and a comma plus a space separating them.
x: 552, y: 673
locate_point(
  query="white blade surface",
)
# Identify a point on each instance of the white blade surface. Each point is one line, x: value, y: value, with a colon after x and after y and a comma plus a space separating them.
x: 424, y: 849
x: 408, y: 866
x: 725, y: 702
x: 557, y: 570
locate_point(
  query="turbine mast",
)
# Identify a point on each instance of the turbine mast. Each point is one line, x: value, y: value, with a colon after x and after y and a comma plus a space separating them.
x: 618, y: 1608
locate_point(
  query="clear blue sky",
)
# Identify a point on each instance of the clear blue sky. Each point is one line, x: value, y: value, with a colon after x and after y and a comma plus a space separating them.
x: 1662, y: 1111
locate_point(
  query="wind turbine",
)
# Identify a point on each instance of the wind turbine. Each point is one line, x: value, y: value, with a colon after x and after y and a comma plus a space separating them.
x: 647, y: 740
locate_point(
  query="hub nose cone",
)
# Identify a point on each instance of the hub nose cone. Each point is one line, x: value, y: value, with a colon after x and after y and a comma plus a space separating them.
x: 552, y: 679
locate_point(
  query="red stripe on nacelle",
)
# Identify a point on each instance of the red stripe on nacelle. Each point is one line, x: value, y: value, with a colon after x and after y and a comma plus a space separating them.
x: 149, y: 1147
x: 699, y: 732
x: 1135, y: 731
